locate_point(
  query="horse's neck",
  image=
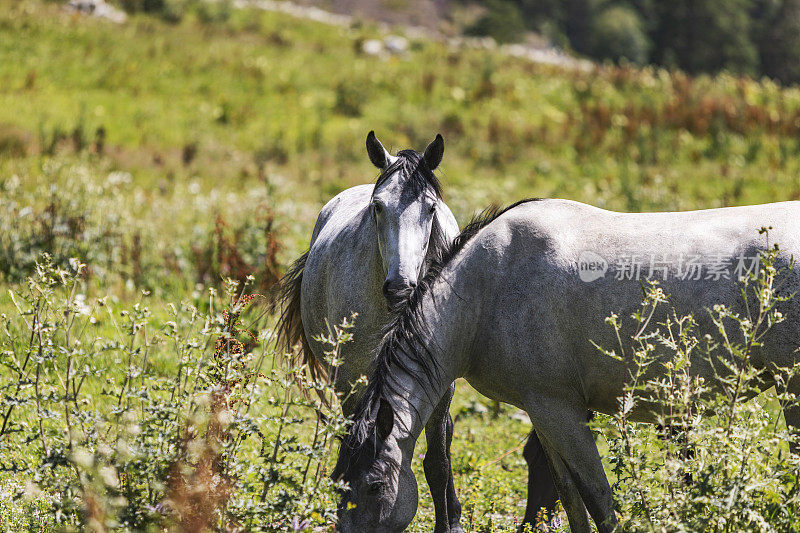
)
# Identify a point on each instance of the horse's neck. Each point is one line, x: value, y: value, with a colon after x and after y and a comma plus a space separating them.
x: 364, y: 272
x: 414, y: 400
x: 443, y: 341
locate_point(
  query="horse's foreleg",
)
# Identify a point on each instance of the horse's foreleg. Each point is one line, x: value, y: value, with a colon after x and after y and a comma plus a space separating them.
x: 575, y: 463
x: 542, y: 494
x: 438, y: 473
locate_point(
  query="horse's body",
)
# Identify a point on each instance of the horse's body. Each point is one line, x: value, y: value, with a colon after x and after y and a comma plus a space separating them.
x: 358, y: 261
x: 514, y: 309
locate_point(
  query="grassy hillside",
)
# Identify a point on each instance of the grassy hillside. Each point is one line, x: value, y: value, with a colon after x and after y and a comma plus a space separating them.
x: 166, y: 157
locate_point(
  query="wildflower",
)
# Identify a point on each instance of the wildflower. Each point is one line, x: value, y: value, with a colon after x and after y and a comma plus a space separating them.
x: 297, y: 525
x: 80, y: 305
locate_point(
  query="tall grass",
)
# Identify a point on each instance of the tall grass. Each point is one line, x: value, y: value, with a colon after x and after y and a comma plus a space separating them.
x: 165, y: 240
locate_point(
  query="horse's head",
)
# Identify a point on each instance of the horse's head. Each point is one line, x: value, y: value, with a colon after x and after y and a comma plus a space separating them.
x: 382, y: 495
x: 404, y: 208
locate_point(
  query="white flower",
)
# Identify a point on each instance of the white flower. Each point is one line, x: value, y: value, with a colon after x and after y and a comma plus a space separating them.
x: 80, y: 306
x: 119, y: 178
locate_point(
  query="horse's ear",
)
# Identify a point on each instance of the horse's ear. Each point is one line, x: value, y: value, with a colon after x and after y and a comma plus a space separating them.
x: 377, y: 153
x: 434, y: 152
x: 385, y: 420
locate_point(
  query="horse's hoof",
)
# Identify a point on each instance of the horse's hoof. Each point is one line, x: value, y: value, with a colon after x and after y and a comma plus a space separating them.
x: 456, y: 528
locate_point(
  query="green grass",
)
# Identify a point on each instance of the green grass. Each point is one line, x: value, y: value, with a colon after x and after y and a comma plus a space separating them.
x: 267, y: 114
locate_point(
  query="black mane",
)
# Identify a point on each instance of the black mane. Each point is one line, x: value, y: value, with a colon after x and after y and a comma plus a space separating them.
x: 419, y: 175
x: 408, y: 325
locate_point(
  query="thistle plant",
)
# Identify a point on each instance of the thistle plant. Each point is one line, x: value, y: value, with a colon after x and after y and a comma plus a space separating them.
x: 717, y: 460
x: 122, y: 417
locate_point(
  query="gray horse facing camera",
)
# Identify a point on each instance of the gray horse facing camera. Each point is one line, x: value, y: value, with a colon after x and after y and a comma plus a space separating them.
x: 369, y: 248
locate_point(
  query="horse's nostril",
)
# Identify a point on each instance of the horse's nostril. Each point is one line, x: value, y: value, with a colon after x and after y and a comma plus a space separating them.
x: 393, y: 288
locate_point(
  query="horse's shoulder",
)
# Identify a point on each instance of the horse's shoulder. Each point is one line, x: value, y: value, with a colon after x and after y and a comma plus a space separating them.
x: 341, y: 211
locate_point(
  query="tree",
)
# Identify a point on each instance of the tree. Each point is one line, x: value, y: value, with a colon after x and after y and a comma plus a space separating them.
x: 617, y: 34
x: 578, y: 24
x: 779, y: 43
x: 705, y: 36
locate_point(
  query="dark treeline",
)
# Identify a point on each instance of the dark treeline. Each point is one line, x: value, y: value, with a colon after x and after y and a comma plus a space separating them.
x: 753, y: 37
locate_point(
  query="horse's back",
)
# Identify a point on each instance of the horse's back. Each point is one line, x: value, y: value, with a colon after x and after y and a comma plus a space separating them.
x: 338, y: 278
x: 596, y: 255
x: 340, y: 210
x: 579, y: 223
x: 556, y: 269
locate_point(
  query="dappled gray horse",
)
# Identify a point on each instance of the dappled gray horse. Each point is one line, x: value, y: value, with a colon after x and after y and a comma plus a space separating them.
x: 514, y: 307
x: 370, y: 246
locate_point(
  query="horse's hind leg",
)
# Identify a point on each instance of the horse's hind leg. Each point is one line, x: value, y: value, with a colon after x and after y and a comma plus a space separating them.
x: 575, y: 463
x: 453, y: 505
x: 792, y: 413
x: 438, y: 473
x: 542, y: 494
x: 568, y: 492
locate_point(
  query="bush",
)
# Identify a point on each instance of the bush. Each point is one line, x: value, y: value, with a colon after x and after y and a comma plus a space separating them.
x: 715, y: 462
x: 169, y: 10
x: 119, y: 229
x: 618, y: 34
x: 503, y: 22
x: 113, y: 418
x: 350, y: 98
x: 208, y: 11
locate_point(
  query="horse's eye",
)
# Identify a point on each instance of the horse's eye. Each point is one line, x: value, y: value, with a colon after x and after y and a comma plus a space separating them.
x: 377, y: 207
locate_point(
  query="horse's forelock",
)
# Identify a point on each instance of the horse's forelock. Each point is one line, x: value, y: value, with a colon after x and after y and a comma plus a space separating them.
x: 418, y: 176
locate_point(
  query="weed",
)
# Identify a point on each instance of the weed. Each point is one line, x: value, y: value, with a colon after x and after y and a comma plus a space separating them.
x: 716, y: 461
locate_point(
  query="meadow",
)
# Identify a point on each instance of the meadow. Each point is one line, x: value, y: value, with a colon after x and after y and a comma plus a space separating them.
x: 144, y: 164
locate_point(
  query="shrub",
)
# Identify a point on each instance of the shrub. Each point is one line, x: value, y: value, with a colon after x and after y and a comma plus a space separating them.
x: 113, y: 418
x: 502, y: 21
x: 349, y: 99
x: 14, y: 141
x: 174, y: 10
x: 169, y: 10
x: 121, y: 230
x: 238, y: 253
x: 75, y: 217
x: 617, y: 34
x: 725, y: 466
x: 210, y: 12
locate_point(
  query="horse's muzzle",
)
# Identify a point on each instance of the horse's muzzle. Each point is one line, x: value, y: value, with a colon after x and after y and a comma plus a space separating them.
x: 396, y: 293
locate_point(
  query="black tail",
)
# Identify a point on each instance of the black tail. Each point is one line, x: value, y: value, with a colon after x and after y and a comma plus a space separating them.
x: 291, y: 335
